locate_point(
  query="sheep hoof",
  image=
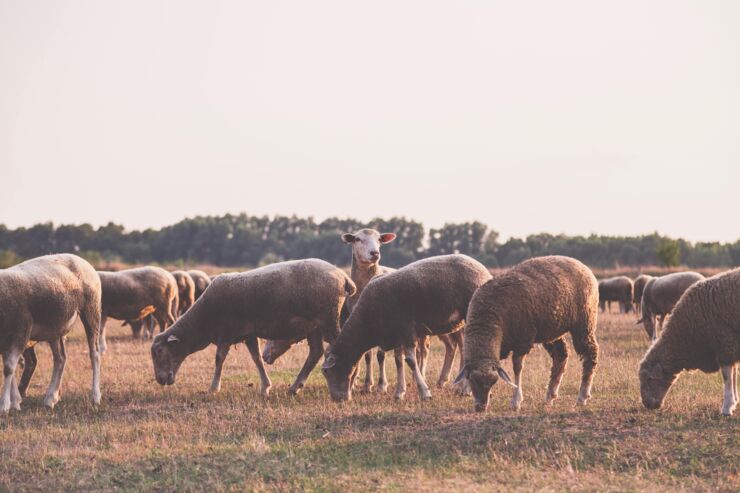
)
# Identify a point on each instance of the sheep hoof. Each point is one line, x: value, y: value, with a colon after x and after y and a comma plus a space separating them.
x: 441, y: 383
x: 426, y: 395
x: 295, y: 389
x: 214, y: 389
x: 383, y: 388
x: 367, y: 388
x: 399, y: 396
x: 265, y: 392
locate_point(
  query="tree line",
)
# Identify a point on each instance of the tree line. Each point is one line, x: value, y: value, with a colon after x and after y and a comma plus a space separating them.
x: 246, y: 241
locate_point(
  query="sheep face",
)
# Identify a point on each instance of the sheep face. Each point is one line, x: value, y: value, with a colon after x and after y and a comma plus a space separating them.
x: 166, y: 358
x: 338, y: 378
x: 366, y: 245
x: 654, y: 384
x: 481, y: 382
x: 275, y: 348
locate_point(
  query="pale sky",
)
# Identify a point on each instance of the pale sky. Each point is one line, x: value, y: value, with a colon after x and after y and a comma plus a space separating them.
x: 570, y: 117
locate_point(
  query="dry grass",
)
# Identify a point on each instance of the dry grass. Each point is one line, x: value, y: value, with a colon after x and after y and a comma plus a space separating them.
x: 146, y: 437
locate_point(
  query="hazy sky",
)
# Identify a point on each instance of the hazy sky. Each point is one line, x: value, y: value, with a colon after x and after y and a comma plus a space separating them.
x: 566, y: 117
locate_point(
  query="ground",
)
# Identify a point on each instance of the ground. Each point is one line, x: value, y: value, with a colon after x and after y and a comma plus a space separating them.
x: 147, y: 437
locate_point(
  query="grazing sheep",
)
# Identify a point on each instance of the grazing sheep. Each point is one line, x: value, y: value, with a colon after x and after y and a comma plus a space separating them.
x: 537, y: 301
x: 618, y: 289
x: 132, y: 294
x: 185, y: 290
x: 660, y: 296
x: 427, y: 297
x: 703, y: 333
x: 201, y: 281
x: 286, y: 300
x: 639, y: 287
x: 41, y: 299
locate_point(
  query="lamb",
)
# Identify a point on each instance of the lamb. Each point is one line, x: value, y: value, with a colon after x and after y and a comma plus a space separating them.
x: 132, y: 294
x: 427, y: 297
x: 703, y: 333
x: 618, y: 289
x: 185, y: 290
x: 201, y: 281
x: 537, y: 301
x: 639, y: 287
x: 660, y: 296
x: 41, y: 300
x: 285, y: 300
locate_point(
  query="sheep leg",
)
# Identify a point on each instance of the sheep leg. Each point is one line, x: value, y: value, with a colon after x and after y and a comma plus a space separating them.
x: 368, y: 387
x: 518, y: 397
x: 315, y: 351
x: 422, y: 354
x: 734, y: 383
x: 15, y: 395
x: 730, y: 402
x: 10, y: 361
x: 382, y: 378
x: 29, y: 356
x: 253, y: 344
x: 101, y: 340
x: 400, y: 374
x: 559, y: 353
x: 221, y: 352
x: 93, y: 323
x: 584, y: 341
x: 424, y: 392
x: 450, y: 350
x: 60, y: 359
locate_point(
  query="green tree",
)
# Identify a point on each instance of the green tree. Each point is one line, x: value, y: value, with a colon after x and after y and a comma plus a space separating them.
x: 669, y: 252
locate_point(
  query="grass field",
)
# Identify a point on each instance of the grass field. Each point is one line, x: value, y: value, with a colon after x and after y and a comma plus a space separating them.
x: 147, y: 437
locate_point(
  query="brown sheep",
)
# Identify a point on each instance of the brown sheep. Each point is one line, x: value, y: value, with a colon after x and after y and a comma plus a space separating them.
x: 185, y: 291
x: 660, y: 296
x: 703, y: 332
x: 429, y: 296
x: 41, y: 299
x: 618, y: 289
x: 537, y: 301
x: 639, y: 287
x: 201, y: 280
x: 132, y: 293
x: 286, y: 300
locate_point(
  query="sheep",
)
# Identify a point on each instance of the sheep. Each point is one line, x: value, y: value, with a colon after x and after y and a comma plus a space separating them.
x: 132, y: 294
x: 201, y: 281
x: 639, y: 287
x: 285, y: 300
x: 185, y: 290
x: 426, y: 297
x: 703, y: 332
x: 659, y: 297
x: 41, y: 300
x: 618, y: 289
x: 537, y: 301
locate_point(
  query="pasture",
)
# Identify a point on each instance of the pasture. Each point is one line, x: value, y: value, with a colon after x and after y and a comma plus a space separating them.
x: 147, y: 437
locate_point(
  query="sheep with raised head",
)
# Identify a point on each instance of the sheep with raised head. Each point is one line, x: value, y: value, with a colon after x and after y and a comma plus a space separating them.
x: 638, y: 287
x: 427, y: 297
x: 537, y: 301
x: 133, y: 294
x: 41, y: 299
x: 185, y: 291
x: 617, y: 289
x: 201, y: 280
x: 285, y: 300
x: 702, y: 333
x: 659, y: 297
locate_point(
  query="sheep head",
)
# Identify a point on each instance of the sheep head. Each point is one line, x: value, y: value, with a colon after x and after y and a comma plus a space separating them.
x: 338, y: 377
x: 655, y: 381
x: 166, y: 358
x: 275, y: 348
x: 482, y: 376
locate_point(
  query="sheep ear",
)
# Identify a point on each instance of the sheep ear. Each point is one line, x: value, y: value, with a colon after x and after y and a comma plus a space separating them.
x: 505, y: 376
x: 387, y: 238
x: 329, y: 361
x: 462, y: 375
x: 348, y: 238
x: 173, y: 338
